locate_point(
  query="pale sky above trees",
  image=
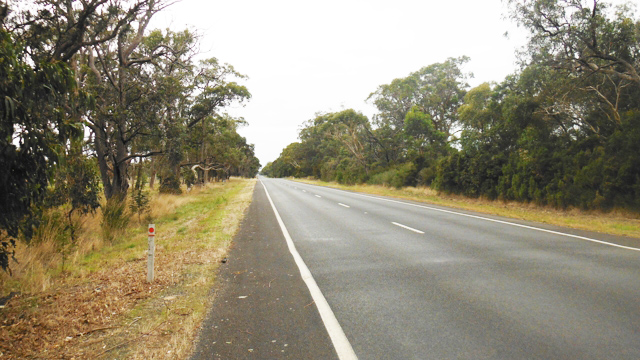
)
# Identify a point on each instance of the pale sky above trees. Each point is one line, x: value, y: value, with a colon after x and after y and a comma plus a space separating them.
x: 306, y: 57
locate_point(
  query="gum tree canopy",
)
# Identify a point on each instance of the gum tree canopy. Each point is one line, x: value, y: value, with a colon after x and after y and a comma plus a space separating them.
x: 41, y: 102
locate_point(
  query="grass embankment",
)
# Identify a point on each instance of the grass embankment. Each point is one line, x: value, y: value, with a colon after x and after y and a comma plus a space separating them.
x: 101, y: 306
x: 615, y: 222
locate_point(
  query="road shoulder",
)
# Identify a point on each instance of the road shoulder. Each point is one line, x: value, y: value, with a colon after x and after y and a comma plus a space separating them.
x: 262, y: 307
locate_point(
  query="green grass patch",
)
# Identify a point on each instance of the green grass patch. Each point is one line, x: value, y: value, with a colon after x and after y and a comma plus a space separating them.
x: 194, y: 241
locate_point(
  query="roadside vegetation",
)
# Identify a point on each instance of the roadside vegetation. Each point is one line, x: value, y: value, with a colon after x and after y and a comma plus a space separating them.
x: 100, y: 304
x: 562, y: 132
x: 95, y: 105
x: 108, y: 125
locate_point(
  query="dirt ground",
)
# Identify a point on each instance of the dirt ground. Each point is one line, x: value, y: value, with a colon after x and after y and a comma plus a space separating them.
x: 65, y: 320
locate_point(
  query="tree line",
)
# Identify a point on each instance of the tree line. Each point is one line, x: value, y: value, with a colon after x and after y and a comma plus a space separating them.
x: 563, y: 131
x: 93, y: 100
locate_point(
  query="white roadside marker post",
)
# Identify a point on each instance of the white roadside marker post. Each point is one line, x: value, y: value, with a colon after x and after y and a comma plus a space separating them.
x: 151, y: 252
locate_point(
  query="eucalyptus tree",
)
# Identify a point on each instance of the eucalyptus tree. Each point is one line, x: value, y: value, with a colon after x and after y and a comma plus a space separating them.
x: 594, y: 48
x: 33, y: 109
x: 422, y: 136
x: 121, y: 74
x: 163, y: 134
x: 249, y: 164
x: 441, y: 89
x: 56, y: 30
x: 216, y: 147
x: 436, y: 90
x: 42, y: 104
x: 393, y: 102
x: 314, y: 148
x: 350, y: 130
x: 564, y: 130
x: 212, y: 139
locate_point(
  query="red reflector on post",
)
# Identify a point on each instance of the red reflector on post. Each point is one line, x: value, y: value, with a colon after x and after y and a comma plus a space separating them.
x: 152, y: 230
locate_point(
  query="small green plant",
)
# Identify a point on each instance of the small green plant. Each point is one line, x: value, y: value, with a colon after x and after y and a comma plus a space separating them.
x: 170, y: 184
x: 114, y: 218
x: 73, y: 193
x: 189, y: 177
x: 139, y: 203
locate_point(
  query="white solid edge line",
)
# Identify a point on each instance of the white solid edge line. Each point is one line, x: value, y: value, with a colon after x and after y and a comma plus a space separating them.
x: 341, y: 204
x: 407, y: 227
x: 495, y: 220
x: 338, y: 338
x: 506, y: 223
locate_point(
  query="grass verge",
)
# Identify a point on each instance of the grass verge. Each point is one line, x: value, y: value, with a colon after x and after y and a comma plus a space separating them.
x: 102, y: 306
x: 615, y: 222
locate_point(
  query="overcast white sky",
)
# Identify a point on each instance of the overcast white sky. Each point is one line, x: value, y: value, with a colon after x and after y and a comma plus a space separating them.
x: 304, y: 57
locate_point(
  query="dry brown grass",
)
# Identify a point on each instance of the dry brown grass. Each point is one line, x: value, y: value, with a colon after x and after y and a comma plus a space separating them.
x: 102, y: 307
x: 188, y: 308
x: 39, y: 262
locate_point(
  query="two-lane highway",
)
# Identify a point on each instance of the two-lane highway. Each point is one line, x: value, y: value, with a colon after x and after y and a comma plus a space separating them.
x: 411, y: 281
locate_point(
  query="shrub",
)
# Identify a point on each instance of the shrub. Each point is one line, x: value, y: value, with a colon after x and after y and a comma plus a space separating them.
x: 426, y: 176
x: 170, y: 184
x: 114, y: 218
x: 397, y: 177
x: 139, y: 203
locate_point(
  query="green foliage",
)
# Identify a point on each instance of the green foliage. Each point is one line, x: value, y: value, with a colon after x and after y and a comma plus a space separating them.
x: 556, y: 135
x: 114, y: 219
x: 170, y: 184
x: 74, y: 191
x: 32, y: 106
x: 426, y: 176
x: 564, y: 131
x: 139, y: 93
x: 188, y: 176
x: 139, y: 202
x: 403, y: 175
x: 76, y: 183
x: 436, y: 90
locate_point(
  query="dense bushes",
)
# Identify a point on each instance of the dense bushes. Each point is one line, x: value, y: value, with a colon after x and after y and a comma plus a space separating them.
x: 399, y: 176
x: 589, y: 173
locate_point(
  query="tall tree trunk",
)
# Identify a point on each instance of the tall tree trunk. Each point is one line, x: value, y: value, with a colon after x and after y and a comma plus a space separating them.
x: 102, y: 153
x: 152, y: 178
x: 121, y: 168
x: 113, y: 170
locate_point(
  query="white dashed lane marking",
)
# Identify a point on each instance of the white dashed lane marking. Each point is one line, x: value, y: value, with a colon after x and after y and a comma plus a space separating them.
x: 408, y: 228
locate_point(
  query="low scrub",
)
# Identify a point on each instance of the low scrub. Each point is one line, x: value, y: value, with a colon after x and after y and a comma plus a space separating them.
x: 397, y: 177
x: 101, y: 306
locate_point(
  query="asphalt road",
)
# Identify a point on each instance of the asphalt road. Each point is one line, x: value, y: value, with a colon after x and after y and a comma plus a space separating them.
x: 412, y: 282
x: 262, y: 308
